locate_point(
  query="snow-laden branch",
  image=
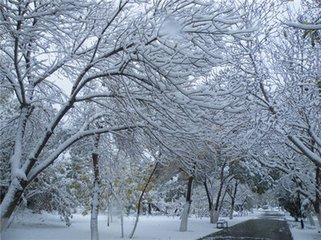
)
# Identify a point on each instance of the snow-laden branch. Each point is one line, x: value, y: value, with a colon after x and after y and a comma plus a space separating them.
x: 147, y: 119
x: 305, y: 150
x: 79, y: 135
x: 10, y: 77
x: 270, y: 165
x: 119, y: 10
x: 54, y: 68
x: 316, y: 138
x: 92, y: 96
x: 304, y: 26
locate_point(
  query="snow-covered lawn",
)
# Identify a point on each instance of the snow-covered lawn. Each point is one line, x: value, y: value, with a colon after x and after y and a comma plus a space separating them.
x: 46, y: 226
x: 308, y: 233
x: 305, y: 234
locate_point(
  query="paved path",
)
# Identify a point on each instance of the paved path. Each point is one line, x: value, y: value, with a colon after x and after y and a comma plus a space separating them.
x: 266, y: 228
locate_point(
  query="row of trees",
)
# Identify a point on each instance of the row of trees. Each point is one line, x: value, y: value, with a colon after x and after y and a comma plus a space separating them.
x: 131, y: 70
x: 109, y: 100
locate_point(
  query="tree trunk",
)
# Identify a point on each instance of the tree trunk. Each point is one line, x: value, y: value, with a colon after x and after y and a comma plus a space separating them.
x: 210, y: 203
x: 310, y: 219
x: 316, y: 204
x: 187, y: 206
x: 217, y: 203
x: 10, y: 201
x: 212, y: 215
x: 18, y: 181
x: 140, y: 200
x: 216, y: 215
x: 149, y: 208
x: 120, y: 203
x: 109, y: 213
x: 95, y: 194
x: 94, y: 213
x: 184, y: 217
x: 233, y: 200
x: 319, y: 218
x: 122, y: 224
x: 222, y: 200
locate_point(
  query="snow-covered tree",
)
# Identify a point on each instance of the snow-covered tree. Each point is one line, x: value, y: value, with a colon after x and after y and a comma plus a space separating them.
x: 146, y: 56
x: 281, y: 70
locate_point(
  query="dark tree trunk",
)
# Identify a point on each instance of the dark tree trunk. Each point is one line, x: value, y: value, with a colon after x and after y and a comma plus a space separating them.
x: 317, y: 201
x: 149, y: 208
x: 95, y: 194
x: 140, y: 200
x: 217, y: 202
x: 210, y: 203
x: 233, y: 196
x: 189, y: 189
x: 187, y: 206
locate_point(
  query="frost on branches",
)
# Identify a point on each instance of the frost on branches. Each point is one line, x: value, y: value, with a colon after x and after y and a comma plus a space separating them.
x: 143, y: 57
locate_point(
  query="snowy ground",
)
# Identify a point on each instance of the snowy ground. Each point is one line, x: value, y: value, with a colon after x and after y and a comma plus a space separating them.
x: 49, y: 227
x: 308, y: 233
x: 29, y: 226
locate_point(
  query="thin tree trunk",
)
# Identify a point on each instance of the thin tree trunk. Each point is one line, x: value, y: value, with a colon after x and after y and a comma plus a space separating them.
x: 319, y: 218
x: 316, y: 204
x: 217, y: 203
x: 233, y: 200
x: 94, y: 213
x: 222, y: 199
x: 210, y: 203
x: 149, y: 208
x: 120, y: 203
x: 187, y: 206
x: 140, y: 200
x: 122, y: 224
x: 109, y: 213
x: 95, y: 194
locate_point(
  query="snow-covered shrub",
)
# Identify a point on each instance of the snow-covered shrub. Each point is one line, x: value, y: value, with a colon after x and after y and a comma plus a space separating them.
x: 52, y: 192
